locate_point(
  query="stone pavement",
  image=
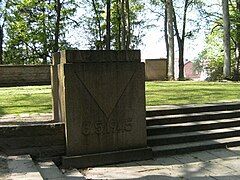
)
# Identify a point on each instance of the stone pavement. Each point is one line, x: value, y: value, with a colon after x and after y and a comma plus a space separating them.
x: 220, y: 164
x: 212, y: 164
x: 4, y: 171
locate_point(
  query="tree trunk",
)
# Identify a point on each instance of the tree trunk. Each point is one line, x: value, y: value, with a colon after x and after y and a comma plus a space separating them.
x: 108, y: 19
x: 1, y: 45
x: 98, y: 24
x: 45, y: 42
x: 166, y: 31
x: 181, y: 60
x: 58, y: 7
x: 128, y: 25
x: 237, y: 53
x: 181, y: 42
x: 169, y: 7
x: 123, y: 19
x: 119, y: 26
x: 226, y: 40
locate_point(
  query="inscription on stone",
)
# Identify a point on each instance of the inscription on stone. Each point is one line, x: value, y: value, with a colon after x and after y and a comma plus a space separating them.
x: 102, y: 104
x: 110, y: 126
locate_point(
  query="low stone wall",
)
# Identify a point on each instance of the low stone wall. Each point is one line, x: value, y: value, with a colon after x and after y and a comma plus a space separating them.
x: 21, y: 75
x: 39, y: 140
x: 155, y: 69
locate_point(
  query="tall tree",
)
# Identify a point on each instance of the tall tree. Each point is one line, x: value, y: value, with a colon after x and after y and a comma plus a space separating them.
x: 124, y: 23
x: 118, y: 25
x: 57, y: 7
x: 235, y: 36
x: 128, y: 40
x: 169, y: 10
x: 108, y: 28
x: 181, y: 39
x: 237, y: 54
x: 166, y: 31
x: 3, y: 8
x: 214, y: 52
x: 181, y: 19
x: 226, y: 40
x: 1, y: 43
x: 123, y: 20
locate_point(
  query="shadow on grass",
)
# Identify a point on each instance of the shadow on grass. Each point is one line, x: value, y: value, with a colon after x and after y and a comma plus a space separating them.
x: 27, y: 106
x: 29, y: 109
x: 2, y: 112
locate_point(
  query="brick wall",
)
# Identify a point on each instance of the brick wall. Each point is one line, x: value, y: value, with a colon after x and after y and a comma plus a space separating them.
x: 156, y: 69
x: 21, y: 75
x: 189, y: 71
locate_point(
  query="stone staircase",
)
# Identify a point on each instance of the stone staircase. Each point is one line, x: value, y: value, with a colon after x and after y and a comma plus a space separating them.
x: 179, y: 130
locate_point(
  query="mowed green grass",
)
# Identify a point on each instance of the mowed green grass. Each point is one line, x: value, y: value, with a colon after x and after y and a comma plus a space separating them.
x: 189, y: 92
x: 37, y: 99
x: 26, y: 99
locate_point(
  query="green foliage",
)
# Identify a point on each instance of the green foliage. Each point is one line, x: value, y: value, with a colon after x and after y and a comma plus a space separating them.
x: 212, y: 56
x: 213, y: 53
x: 94, y: 23
x: 215, y: 70
x: 30, y: 28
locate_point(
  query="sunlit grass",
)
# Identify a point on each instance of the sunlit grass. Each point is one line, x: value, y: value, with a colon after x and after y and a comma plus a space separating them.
x: 187, y: 92
x: 37, y: 99
x: 29, y: 99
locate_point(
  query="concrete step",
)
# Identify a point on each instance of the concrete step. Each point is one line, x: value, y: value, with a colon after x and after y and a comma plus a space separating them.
x: 22, y: 167
x: 49, y: 170
x: 192, y: 117
x: 38, y: 152
x: 186, y: 137
x: 192, y: 126
x: 186, y: 109
x: 73, y: 174
x: 195, y: 146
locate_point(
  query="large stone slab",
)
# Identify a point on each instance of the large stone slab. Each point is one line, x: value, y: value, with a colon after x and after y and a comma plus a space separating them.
x: 103, y: 105
x: 104, y: 109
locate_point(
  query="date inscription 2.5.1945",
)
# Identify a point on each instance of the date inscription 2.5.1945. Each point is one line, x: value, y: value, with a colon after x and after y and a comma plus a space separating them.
x: 106, y: 127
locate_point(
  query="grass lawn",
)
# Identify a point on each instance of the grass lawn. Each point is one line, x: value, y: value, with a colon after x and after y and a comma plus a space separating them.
x: 37, y: 99
x: 26, y: 99
x: 188, y: 92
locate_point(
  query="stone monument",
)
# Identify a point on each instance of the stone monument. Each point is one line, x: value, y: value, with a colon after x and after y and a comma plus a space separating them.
x: 102, y: 102
x: 55, y: 86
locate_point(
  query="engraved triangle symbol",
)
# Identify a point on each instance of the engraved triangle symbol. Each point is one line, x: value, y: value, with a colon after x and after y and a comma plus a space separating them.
x: 106, y: 83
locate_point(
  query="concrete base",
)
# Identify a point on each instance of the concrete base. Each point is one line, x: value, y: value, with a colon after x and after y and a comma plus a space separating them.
x: 99, y: 159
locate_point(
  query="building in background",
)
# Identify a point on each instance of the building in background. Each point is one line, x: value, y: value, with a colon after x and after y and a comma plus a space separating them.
x: 156, y: 70
x: 190, y: 72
